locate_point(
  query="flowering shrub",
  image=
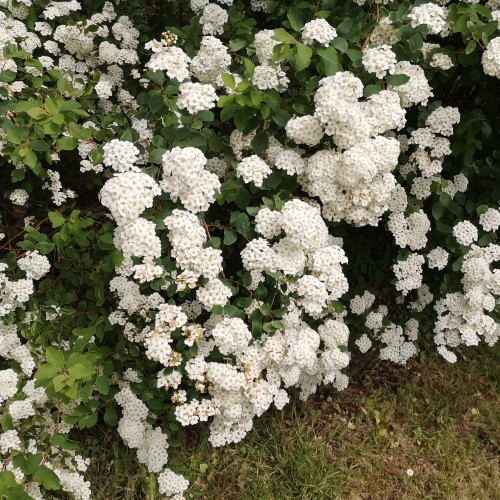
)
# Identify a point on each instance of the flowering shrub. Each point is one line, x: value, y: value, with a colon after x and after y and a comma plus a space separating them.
x: 209, y: 208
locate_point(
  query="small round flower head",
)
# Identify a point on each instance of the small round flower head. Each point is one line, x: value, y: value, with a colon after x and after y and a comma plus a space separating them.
x: 318, y: 30
x: 491, y: 58
x: 291, y: 161
x: 490, y: 220
x: 430, y: 14
x: 379, y: 60
x: 304, y: 130
x: 196, y: 97
x: 266, y: 77
x: 19, y: 197
x: 364, y: 343
x: 120, y: 155
x: 441, y: 61
x: 253, y: 169
x: 173, y: 60
x: 417, y: 90
x: 442, y: 119
x: 437, y: 258
x: 465, y: 233
x: 268, y: 223
x: 213, y: 19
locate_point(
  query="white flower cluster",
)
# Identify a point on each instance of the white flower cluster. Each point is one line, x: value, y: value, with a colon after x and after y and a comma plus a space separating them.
x: 304, y: 130
x: 356, y: 184
x: 127, y: 195
x: 267, y: 77
x: 379, y: 60
x: 34, y: 265
x: 185, y: 178
x: 211, y: 60
x: 442, y: 119
x: 398, y: 349
x: 19, y: 197
x: 415, y: 91
x: 430, y: 14
x: 253, y: 169
x: 465, y: 233
x: 491, y: 58
x: 437, y: 258
x: 11, y: 347
x: 490, y: 220
x: 187, y: 237
x: 213, y: 19
x: 410, y: 231
x: 121, y: 156
x: 318, y: 30
x: 427, y: 159
x: 59, y: 195
x: 385, y: 33
x: 464, y: 318
x: 8, y: 384
x: 151, y: 443
x: 196, y: 97
x: 264, y: 44
x: 409, y: 273
x: 441, y: 61
x: 306, y: 241
x: 168, y: 58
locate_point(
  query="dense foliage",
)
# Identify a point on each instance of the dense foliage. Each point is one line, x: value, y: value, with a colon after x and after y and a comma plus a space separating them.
x: 209, y: 205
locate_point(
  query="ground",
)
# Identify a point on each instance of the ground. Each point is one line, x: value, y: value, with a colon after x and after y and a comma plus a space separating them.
x: 439, y: 421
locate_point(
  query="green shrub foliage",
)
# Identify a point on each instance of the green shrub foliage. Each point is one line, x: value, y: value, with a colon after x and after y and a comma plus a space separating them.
x: 209, y: 205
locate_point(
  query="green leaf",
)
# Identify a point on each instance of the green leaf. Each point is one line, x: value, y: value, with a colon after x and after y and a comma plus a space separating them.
x: 39, y: 145
x: 471, y: 47
x: 228, y: 79
x: 260, y: 142
x: 242, y: 198
x: 281, y: 117
x: 156, y: 155
x: 30, y: 158
x: 37, y: 113
x: 340, y: 44
x: 62, y: 441
x: 7, y: 76
x: 444, y: 228
x: 371, y: 90
x: 57, y: 219
x: 437, y: 210
x: 13, y: 135
x: 46, y: 372
x: 214, y: 242
x: 229, y: 237
x: 80, y: 371
x: 303, y: 56
x: 33, y: 461
x: 345, y: 26
x: 283, y: 36
x: 46, y: 478
x: 62, y: 85
x: 396, y: 80
x: 295, y: 18
x: 54, y: 357
x: 66, y: 143
x: 102, y: 384
x: 249, y: 67
x: 111, y: 416
x: 416, y: 42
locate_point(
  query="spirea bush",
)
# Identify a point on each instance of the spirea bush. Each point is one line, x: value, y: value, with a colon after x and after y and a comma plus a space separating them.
x: 210, y: 206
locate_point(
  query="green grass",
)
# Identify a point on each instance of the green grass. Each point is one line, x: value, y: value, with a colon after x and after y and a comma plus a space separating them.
x: 442, y: 421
